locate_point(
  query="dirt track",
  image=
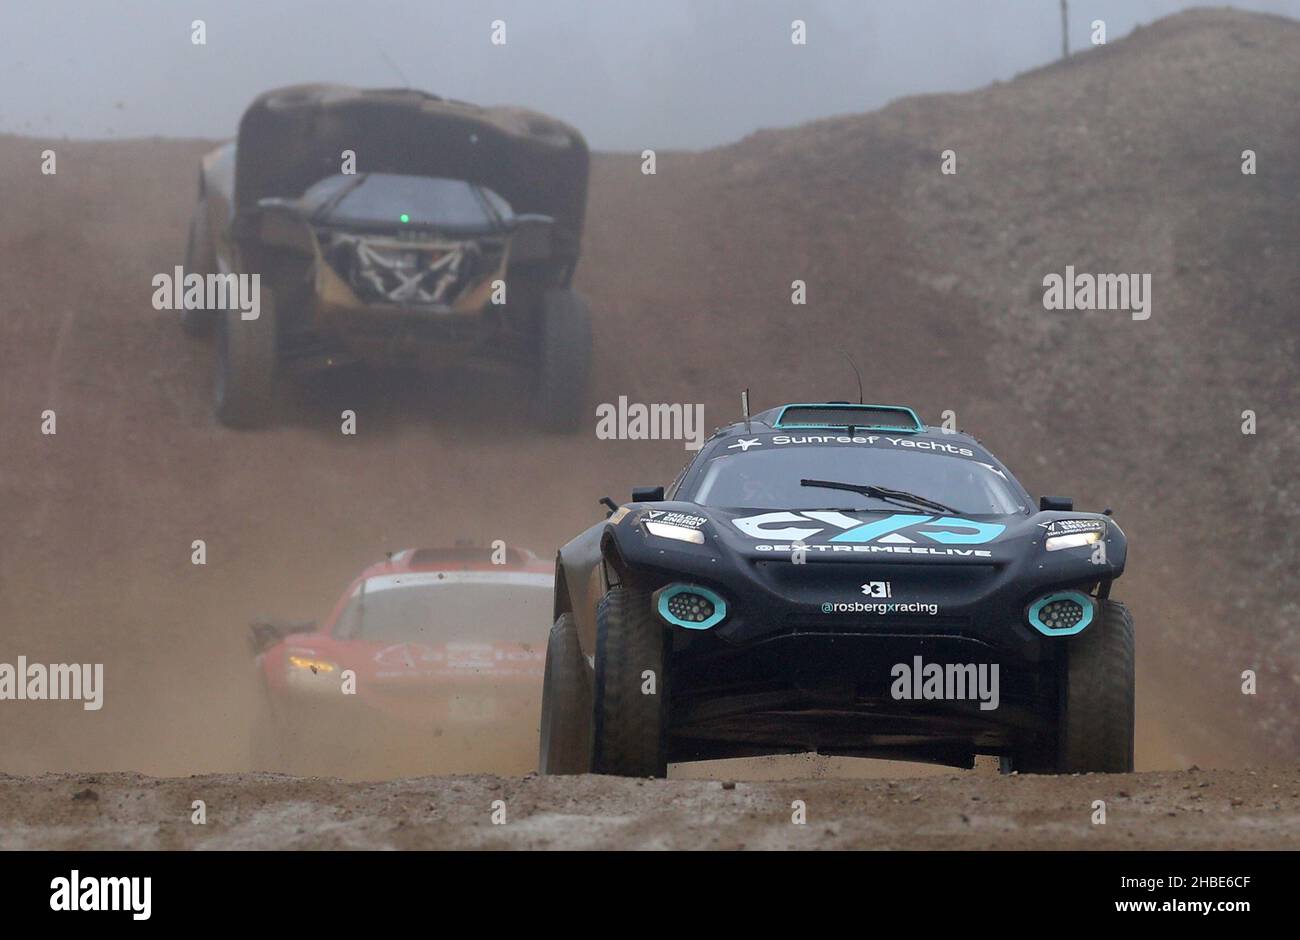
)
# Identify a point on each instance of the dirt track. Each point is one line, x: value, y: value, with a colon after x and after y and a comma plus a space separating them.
x: 1182, y: 810
x: 1124, y: 159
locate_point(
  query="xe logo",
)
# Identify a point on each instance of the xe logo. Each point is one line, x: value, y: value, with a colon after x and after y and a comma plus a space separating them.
x: 947, y: 530
x: 407, y: 655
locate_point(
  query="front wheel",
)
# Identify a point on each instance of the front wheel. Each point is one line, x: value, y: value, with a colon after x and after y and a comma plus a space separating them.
x: 201, y: 259
x: 631, y: 687
x: 1094, y: 725
x: 563, y: 360
x: 247, y: 357
x: 565, y: 746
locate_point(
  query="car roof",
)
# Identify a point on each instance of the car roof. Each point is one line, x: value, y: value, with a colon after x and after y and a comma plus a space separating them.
x: 770, y: 422
x: 537, y: 163
x: 458, y: 558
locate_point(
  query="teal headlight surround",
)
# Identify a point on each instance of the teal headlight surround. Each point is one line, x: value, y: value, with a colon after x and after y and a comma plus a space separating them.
x: 719, y: 606
x: 1083, y: 600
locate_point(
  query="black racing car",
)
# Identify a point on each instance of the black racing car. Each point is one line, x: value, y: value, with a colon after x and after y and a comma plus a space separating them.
x: 841, y: 579
x: 451, y: 239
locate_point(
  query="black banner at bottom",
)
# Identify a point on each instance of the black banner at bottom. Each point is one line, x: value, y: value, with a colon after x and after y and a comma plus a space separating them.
x: 324, y: 890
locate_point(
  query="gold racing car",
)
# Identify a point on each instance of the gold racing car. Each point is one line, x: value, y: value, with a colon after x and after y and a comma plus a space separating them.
x: 392, y: 229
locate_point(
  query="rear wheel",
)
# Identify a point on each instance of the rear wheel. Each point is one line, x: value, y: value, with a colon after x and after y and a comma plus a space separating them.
x: 1094, y: 727
x: 247, y: 355
x: 564, y: 360
x: 565, y: 746
x: 631, y: 687
x: 201, y: 259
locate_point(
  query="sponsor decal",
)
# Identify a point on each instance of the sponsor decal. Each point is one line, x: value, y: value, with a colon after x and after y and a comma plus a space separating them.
x: 407, y: 655
x: 684, y: 519
x: 878, y: 589
x: 893, y: 607
x: 1070, y: 526
x: 899, y: 530
x: 877, y: 549
x: 402, y: 660
x: 905, y: 443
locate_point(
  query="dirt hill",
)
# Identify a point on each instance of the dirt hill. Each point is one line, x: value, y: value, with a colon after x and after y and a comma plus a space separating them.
x: 1124, y: 159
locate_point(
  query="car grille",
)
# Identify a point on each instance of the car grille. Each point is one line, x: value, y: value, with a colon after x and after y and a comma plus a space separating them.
x: 386, y: 270
x: 871, y: 624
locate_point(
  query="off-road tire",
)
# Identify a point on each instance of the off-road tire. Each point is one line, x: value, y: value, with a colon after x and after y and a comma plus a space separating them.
x: 247, y: 358
x: 200, y: 258
x: 563, y: 361
x: 629, y: 734
x: 565, y: 746
x: 1094, y: 726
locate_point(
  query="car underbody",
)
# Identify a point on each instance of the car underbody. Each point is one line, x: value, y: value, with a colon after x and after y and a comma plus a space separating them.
x: 831, y: 693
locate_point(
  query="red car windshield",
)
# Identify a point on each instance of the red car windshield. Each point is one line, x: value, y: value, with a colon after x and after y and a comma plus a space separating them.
x: 449, y: 607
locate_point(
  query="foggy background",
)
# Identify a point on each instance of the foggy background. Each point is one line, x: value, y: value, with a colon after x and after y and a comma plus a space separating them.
x: 629, y: 74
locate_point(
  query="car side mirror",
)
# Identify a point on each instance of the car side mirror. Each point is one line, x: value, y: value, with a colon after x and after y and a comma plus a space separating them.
x: 265, y: 632
x: 647, y: 494
x: 1056, y: 503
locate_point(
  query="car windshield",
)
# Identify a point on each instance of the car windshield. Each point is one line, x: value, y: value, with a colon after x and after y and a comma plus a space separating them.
x: 411, y: 200
x: 455, y: 608
x: 770, y: 479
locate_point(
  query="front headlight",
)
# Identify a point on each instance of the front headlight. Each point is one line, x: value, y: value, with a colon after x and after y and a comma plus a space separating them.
x: 1074, y: 533
x: 681, y: 533
x: 317, y: 666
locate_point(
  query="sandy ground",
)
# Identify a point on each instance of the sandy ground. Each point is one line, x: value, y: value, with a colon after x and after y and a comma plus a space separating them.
x: 1193, y: 809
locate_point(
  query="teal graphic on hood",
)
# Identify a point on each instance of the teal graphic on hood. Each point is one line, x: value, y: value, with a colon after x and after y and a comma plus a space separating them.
x: 902, y: 528
x: 948, y: 530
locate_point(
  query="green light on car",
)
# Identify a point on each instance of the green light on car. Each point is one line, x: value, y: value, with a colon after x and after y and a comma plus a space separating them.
x: 405, y: 218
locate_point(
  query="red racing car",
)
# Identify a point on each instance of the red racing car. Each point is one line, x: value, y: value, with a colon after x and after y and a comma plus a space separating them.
x: 430, y: 662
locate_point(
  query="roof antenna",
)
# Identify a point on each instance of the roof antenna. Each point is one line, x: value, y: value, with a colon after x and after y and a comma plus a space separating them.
x: 856, y: 373
x: 744, y: 407
x: 406, y: 82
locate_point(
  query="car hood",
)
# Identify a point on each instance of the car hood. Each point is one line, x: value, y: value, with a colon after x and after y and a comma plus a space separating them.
x: 393, y: 203
x: 897, y: 534
x: 778, y: 568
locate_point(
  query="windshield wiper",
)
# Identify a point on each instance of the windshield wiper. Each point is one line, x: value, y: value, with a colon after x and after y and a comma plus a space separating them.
x: 880, y: 492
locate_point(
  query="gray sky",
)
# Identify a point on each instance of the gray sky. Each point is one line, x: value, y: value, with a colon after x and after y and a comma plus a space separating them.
x: 628, y: 73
